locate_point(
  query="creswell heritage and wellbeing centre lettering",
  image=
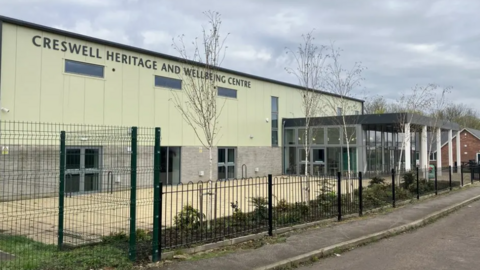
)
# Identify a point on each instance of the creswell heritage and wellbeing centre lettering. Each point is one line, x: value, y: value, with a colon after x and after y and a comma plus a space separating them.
x: 89, y: 51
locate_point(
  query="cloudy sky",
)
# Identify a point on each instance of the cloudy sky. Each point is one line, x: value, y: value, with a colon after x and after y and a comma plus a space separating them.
x: 401, y: 42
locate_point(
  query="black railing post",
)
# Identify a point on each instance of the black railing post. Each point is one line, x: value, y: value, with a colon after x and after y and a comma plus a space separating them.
x: 418, y: 186
x: 450, y: 176
x: 461, y: 175
x: 61, y: 190
x: 339, y: 195
x: 471, y: 173
x: 393, y: 187
x: 157, y: 200
x: 360, y: 193
x: 270, y: 205
x: 436, y: 190
x: 133, y: 196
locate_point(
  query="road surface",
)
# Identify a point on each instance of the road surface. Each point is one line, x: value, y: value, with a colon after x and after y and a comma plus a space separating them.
x: 452, y: 242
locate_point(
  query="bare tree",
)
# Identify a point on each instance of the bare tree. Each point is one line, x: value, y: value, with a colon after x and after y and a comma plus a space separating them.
x: 343, y: 82
x: 438, y: 104
x: 197, y: 102
x: 418, y: 100
x: 375, y: 105
x: 308, y: 60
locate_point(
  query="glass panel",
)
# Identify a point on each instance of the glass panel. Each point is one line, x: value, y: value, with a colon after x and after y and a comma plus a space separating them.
x: 91, y: 158
x: 73, y: 159
x: 174, y: 160
x: 318, y: 169
x: 339, y: 111
x: 168, y: 82
x: 274, y: 104
x: 231, y: 155
x: 301, y: 136
x: 318, y: 155
x: 72, y: 183
x: 333, y: 135
x: 290, y: 160
x: 221, y: 155
x: 274, y: 137
x: 222, y: 173
x: 231, y: 172
x: 351, y: 135
x: 83, y: 68
x: 333, y: 160
x: 225, y: 92
x: 289, y: 136
x: 318, y: 136
x: 274, y: 120
x: 301, y: 155
x: 353, y: 159
x: 91, y: 182
x: 302, y: 168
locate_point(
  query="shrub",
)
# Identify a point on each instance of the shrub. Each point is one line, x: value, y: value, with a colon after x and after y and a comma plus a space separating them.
x: 113, y: 237
x: 376, y: 180
x: 282, y: 205
x: 424, y: 186
x: 238, y: 216
x: 260, y: 208
x: 188, y: 218
x: 408, y: 179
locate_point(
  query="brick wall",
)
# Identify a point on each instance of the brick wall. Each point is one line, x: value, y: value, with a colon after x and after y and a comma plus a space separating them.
x: 469, y: 147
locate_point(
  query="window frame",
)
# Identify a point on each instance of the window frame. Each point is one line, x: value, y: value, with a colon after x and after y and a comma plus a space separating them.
x: 274, y: 129
x: 227, y: 163
x: 339, y: 111
x: 168, y: 79
x: 66, y: 61
x: 227, y: 89
x: 82, y: 171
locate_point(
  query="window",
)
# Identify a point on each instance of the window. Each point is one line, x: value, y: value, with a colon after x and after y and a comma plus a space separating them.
x: 226, y: 92
x: 339, y: 111
x: 333, y: 135
x: 351, y: 135
x: 357, y: 112
x: 433, y: 156
x: 274, y: 121
x: 226, y: 163
x: 318, y: 135
x: 82, y: 170
x: 170, y: 165
x: 168, y: 82
x: 84, y: 68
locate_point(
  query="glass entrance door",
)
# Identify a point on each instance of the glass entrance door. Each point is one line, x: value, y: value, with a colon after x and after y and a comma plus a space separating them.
x: 318, y: 158
x: 82, y: 170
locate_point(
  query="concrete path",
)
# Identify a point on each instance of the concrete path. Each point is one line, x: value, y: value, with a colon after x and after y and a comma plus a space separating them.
x: 450, y: 243
x: 300, y: 246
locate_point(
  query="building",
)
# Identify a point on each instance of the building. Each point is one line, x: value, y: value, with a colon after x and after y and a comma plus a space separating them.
x: 377, y: 143
x: 469, y: 147
x: 49, y: 76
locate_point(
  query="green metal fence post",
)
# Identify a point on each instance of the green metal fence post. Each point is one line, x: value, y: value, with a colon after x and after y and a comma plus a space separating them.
x: 157, y: 200
x: 61, y: 190
x: 133, y: 195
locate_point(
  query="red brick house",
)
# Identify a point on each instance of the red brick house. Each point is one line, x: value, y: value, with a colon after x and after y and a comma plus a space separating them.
x: 470, y: 147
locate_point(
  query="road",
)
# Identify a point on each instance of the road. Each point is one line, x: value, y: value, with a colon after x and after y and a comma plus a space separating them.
x: 452, y: 242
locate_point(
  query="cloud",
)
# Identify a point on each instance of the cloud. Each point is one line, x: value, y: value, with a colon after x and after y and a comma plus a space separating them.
x: 402, y: 42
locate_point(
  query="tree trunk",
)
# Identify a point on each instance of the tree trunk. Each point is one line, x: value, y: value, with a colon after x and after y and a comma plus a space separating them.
x: 210, y: 189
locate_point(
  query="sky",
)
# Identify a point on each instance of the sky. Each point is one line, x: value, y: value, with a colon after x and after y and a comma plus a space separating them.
x: 401, y: 43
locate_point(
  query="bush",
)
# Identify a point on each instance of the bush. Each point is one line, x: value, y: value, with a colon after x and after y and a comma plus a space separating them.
x: 238, y: 216
x: 376, y: 180
x: 189, y: 218
x: 408, y: 179
x: 260, y: 208
x: 424, y: 186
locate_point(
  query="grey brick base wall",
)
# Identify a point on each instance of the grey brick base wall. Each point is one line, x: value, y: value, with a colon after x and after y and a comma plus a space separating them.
x: 267, y: 159
x: 195, y: 159
x: 34, y: 171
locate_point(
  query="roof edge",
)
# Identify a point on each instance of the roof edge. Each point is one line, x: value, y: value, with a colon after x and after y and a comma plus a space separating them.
x: 156, y: 54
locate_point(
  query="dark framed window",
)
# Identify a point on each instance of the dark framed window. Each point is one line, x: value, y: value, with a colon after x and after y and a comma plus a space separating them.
x: 339, y: 111
x: 83, y: 170
x: 274, y: 121
x: 86, y: 69
x: 226, y: 163
x: 168, y: 82
x: 227, y: 92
